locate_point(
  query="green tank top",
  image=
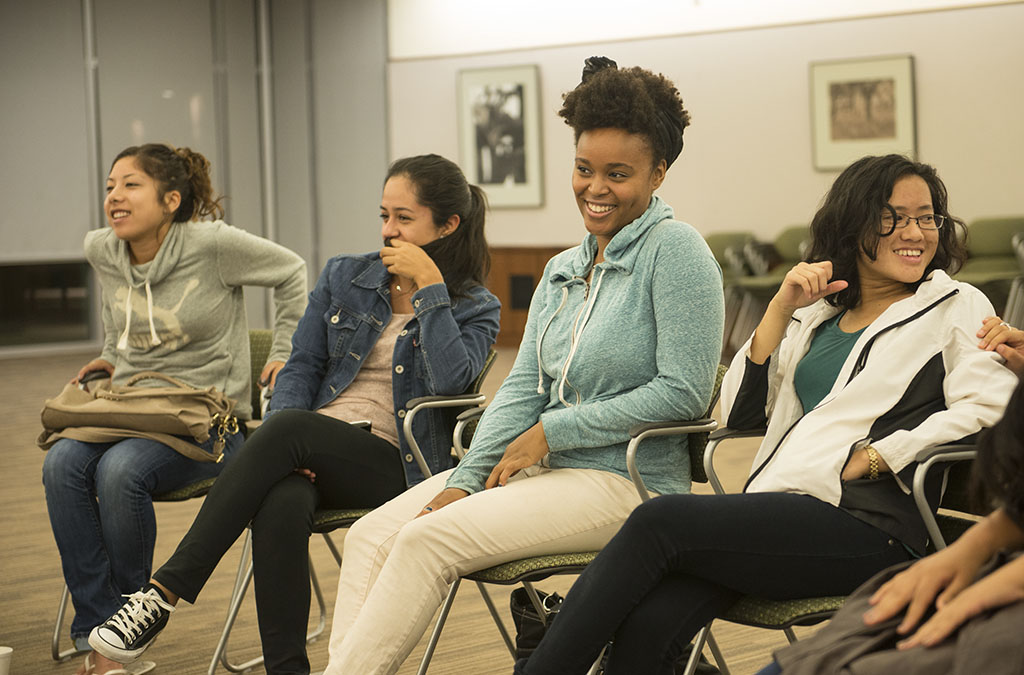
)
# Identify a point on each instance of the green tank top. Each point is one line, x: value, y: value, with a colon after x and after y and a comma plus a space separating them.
x: 820, y: 366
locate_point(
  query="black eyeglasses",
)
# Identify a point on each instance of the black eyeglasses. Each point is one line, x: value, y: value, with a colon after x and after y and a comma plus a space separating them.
x: 895, y: 221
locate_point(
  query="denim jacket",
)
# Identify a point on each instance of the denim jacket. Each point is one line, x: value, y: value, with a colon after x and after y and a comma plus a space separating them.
x: 440, y: 351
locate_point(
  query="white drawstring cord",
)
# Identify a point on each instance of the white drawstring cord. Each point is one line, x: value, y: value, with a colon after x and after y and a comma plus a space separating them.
x: 540, y: 368
x: 122, y: 342
x: 154, y: 339
x: 576, y: 335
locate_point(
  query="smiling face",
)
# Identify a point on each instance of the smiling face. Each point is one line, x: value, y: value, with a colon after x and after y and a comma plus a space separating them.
x: 903, y: 256
x: 404, y: 218
x: 614, y: 179
x: 133, y: 206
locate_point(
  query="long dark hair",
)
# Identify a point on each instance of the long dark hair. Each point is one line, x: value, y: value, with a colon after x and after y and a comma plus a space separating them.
x: 847, y: 223
x: 998, y: 475
x: 463, y: 256
x: 181, y: 169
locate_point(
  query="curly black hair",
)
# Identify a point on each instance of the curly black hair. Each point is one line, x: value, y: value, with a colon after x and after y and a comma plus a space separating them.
x: 847, y: 224
x: 998, y: 474
x: 633, y: 99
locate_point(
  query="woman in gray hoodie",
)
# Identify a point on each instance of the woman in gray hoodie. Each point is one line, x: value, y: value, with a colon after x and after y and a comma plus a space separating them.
x: 172, y: 302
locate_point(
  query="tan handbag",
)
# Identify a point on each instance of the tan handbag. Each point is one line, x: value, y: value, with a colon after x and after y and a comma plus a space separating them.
x: 164, y: 414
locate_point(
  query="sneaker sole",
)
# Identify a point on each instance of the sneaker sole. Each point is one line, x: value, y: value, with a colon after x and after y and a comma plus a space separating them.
x: 123, y: 656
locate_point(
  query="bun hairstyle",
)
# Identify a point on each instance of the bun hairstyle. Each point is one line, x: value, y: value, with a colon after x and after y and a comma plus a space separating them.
x: 633, y: 99
x: 998, y: 473
x: 180, y: 169
x: 848, y: 222
x: 463, y: 256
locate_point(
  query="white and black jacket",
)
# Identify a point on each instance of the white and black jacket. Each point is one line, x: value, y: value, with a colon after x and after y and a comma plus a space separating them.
x: 915, y: 378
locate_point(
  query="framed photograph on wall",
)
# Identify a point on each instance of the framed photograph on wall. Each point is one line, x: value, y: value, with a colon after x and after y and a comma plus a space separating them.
x: 499, y: 134
x: 862, y: 107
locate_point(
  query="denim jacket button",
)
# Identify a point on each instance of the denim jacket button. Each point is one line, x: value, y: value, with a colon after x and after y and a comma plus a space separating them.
x: 404, y: 332
x: 401, y: 414
x: 408, y: 457
x: 416, y: 303
x: 334, y: 319
x: 399, y: 369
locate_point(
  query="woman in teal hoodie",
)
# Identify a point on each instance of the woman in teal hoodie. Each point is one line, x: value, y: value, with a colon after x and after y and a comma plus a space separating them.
x: 623, y: 329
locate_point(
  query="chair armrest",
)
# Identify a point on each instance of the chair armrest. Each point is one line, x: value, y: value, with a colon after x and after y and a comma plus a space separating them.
x: 463, y: 419
x: 716, y: 437
x: 414, y: 406
x: 926, y: 459
x: 641, y: 432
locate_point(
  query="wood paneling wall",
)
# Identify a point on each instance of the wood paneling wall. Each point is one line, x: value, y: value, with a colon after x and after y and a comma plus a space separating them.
x: 515, y: 272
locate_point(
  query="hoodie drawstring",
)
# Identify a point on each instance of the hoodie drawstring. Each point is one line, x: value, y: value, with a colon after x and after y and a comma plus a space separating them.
x: 122, y: 342
x: 154, y: 339
x: 540, y: 368
x: 577, y: 333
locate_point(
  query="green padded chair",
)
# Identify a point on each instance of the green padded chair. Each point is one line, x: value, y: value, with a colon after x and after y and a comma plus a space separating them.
x: 727, y: 248
x: 1013, y: 314
x: 259, y: 349
x: 327, y: 520
x: 528, y: 570
x: 946, y: 526
x: 991, y: 264
x: 757, y: 290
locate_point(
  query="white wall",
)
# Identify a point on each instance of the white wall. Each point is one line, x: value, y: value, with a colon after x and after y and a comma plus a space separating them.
x: 747, y: 163
x: 430, y: 28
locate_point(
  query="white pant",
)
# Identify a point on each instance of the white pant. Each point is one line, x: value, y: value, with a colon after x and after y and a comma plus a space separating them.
x: 396, y: 569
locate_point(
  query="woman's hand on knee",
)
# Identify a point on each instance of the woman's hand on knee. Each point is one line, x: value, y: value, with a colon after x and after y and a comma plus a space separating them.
x: 443, y: 498
x: 1002, y: 587
x: 937, y: 578
x: 307, y: 473
x: 529, y: 448
x: 998, y: 336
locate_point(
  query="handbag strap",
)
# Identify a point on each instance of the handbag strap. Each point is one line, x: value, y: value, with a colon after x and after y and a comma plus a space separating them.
x: 154, y: 375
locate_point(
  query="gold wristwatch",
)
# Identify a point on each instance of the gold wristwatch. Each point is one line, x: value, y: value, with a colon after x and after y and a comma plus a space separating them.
x: 872, y: 462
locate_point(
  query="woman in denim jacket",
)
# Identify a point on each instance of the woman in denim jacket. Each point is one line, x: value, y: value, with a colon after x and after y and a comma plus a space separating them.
x: 380, y: 329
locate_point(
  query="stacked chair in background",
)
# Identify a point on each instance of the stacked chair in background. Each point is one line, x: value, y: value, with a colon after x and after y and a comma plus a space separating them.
x: 756, y: 271
x: 992, y: 263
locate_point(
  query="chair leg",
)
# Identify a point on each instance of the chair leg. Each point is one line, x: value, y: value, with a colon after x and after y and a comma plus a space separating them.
x: 716, y: 652
x: 55, y: 650
x: 332, y: 547
x: 322, y: 623
x: 242, y: 581
x: 497, y: 619
x: 596, y: 668
x: 790, y: 635
x: 435, y: 635
x: 702, y: 637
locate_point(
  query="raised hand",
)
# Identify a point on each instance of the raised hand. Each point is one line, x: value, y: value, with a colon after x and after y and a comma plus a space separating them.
x: 410, y: 261
x: 805, y: 284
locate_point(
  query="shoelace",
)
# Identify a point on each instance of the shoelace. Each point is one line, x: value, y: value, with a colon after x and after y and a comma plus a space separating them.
x: 140, y: 611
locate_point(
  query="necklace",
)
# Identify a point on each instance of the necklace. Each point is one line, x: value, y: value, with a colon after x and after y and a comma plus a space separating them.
x: 398, y: 287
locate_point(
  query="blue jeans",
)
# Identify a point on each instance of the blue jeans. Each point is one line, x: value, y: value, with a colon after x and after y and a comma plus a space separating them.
x: 99, y: 497
x: 771, y: 669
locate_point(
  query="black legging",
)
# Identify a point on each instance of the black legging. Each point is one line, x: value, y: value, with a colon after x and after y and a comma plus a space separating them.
x: 681, y: 560
x: 354, y: 469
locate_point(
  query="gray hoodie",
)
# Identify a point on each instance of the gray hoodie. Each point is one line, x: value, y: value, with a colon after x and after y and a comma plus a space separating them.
x: 183, y: 313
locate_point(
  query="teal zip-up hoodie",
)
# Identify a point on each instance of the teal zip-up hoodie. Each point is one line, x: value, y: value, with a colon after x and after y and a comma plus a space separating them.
x: 640, y: 344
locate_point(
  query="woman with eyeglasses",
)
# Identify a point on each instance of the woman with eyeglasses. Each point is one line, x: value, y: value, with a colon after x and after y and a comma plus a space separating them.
x: 866, y: 355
